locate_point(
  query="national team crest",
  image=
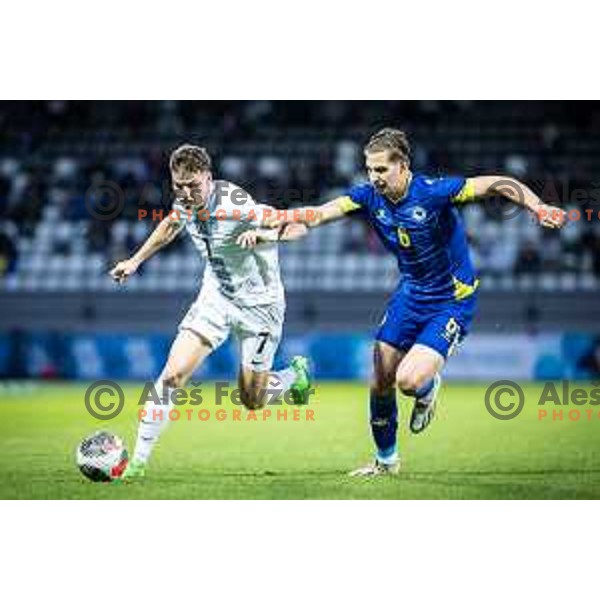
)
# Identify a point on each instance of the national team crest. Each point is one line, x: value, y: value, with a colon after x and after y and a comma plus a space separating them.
x: 419, y: 213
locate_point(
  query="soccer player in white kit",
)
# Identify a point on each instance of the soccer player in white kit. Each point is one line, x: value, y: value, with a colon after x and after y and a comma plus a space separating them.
x: 241, y: 292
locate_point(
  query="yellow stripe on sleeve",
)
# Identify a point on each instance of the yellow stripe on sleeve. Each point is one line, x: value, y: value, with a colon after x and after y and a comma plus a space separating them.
x: 464, y: 290
x: 347, y: 205
x: 467, y: 194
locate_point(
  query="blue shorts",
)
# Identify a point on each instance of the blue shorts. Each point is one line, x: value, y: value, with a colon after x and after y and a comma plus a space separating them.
x: 440, y: 325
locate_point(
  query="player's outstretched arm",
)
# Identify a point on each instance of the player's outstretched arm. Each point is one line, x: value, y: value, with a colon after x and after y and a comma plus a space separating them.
x: 517, y: 192
x: 312, y: 216
x: 165, y: 232
x: 288, y: 232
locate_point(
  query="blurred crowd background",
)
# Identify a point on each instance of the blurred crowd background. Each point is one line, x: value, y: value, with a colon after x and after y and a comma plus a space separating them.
x: 54, y: 253
x: 286, y: 154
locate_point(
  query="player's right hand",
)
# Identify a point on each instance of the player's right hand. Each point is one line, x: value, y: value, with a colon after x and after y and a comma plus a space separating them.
x: 123, y: 269
x: 552, y: 217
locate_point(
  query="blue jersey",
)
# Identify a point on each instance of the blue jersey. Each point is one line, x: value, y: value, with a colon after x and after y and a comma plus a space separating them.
x: 425, y: 233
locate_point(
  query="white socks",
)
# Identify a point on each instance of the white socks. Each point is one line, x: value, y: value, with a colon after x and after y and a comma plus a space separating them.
x: 151, y: 425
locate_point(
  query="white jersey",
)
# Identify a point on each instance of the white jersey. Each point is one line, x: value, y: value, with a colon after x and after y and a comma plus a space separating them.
x: 246, y: 277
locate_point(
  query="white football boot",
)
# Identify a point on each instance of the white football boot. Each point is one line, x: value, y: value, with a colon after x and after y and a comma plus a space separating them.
x: 376, y: 469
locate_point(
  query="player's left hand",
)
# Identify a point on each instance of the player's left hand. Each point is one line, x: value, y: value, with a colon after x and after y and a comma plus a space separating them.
x: 273, y: 221
x: 248, y: 239
x: 550, y: 216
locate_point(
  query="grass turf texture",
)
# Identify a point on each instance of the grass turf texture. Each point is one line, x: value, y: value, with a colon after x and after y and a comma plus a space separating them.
x: 464, y: 454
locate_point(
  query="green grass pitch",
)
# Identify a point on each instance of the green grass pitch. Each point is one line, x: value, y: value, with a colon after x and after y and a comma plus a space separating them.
x: 464, y: 454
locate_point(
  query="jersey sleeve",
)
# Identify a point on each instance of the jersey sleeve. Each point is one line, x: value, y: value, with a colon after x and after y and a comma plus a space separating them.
x: 466, y: 193
x: 239, y: 205
x: 355, y: 198
x: 253, y: 215
x: 257, y: 214
x: 454, y: 189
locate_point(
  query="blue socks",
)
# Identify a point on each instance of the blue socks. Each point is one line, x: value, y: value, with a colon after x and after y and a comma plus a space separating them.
x: 384, y: 425
x: 384, y: 421
x: 424, y: 389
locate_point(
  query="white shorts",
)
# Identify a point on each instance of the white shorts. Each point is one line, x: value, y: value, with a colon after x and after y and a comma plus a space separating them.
x: 258, y: 328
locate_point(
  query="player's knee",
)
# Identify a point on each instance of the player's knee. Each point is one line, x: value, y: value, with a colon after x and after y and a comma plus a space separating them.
x: 253, y: 399
x: 382, y: 387
x: 408, y: 381
x: 382, y: 382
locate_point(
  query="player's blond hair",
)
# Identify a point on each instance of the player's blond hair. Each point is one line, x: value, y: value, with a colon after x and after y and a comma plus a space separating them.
x: 390, y: 139
x: 187, y: 160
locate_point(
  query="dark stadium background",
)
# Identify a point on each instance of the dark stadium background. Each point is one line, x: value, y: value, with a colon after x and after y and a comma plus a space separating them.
x: 67, y: 167
x: 61, y: 317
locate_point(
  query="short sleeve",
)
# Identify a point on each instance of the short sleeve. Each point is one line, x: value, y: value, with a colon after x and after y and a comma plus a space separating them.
x: 237, y: 198
x: 253, y: 215
x: 449, y: 187
x: 360, y: 193
x: 238, y: 205
x: 466, y: 193
x: 355, y: 198
x: 257, y: 213
x: 443, y: 190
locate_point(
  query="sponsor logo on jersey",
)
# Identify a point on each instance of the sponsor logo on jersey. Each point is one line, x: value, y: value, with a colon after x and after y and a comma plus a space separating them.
x: 381, y: 215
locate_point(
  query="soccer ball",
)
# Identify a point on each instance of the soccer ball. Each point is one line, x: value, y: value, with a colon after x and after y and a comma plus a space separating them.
x: 102, y: 456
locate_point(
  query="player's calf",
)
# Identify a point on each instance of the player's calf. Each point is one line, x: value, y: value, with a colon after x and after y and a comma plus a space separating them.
x: 253, y: 388
x: 425, y: 403
x: 425, y: 392
x: 186, y: 355
x: 383, y: 410
x: 174, y: 379
x: 418, y: 376
x: 382, y: 385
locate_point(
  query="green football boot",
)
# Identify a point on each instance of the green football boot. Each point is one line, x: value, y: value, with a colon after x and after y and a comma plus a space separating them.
x: 301, y: 388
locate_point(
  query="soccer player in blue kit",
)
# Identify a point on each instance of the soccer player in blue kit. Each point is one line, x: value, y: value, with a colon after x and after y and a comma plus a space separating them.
x: 432, y: 309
